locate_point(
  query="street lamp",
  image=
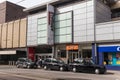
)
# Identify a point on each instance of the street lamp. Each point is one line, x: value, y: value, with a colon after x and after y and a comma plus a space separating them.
x: 58, y: 53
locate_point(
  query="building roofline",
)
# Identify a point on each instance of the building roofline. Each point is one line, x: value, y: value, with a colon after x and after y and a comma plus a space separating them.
x: 12, y: 4
x: 43, y: 5
x: 40, y: 6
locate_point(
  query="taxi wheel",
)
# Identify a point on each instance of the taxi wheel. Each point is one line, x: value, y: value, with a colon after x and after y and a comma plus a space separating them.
x: 61, y: 69
x: 45, y: 67
x: 97, y: 71
x: 74, y: 69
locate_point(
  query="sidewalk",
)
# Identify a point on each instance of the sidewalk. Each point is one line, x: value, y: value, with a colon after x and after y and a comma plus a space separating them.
x: 114, y: 72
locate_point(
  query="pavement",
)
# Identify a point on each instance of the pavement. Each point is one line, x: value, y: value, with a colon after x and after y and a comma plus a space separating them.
x: 13, y: 73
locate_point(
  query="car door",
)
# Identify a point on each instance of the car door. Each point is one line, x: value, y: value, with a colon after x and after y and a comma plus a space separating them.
x: 55, y: 65
x: 86, y: 66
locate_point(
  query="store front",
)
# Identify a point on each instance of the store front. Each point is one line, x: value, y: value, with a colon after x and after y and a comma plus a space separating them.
x: 109, y: 55
x: 70, y: 52
x: 43, y: 52
x: 11, y: 56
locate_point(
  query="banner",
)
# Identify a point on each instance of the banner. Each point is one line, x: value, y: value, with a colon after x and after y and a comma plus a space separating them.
x: 50, y: 22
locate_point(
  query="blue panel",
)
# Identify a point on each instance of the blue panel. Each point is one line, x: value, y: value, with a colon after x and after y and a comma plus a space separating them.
x: 93, y: 52
x: 113, y: 67
x: 109, y: 49
x: 100, y: 58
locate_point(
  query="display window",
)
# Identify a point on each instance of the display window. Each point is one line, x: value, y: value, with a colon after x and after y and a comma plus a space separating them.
x: 112, y: 58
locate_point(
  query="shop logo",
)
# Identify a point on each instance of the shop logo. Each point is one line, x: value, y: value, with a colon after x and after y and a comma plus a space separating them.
x: 118, y: 48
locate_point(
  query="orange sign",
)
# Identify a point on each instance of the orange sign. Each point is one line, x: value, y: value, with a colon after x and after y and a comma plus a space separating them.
x: 72, y: 47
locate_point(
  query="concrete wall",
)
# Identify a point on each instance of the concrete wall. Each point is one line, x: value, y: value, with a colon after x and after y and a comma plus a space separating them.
x: 13, y: 34
x: 10, y: 11
x: 23, y: 33
x: 4, y: 36
x: 16, y: 33
x: 2, y: 12
x: 10, y: 35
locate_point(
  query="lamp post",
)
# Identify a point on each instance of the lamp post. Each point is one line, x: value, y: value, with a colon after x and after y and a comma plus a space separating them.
x: 58, y: 56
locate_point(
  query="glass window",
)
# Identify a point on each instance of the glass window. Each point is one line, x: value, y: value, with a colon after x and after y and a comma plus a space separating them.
x: 57, y: 31
x: 68, y: 15
x: 62, y: 31
x: 56, y: 17
x: 62, y: 16
x: 62, y: 23
x: 63, y: 26
x: 42, y: 34
x: 57, y: 24
x: 57, y: 39
x: 112, y: 59
x: 63, y: 38
x: 69, y: 38
x: 69, y: 30
x: 42, y: 27
x: 69, y: 23
x: 63, y: 54
x: 42, y: 20
x: 42, y: 40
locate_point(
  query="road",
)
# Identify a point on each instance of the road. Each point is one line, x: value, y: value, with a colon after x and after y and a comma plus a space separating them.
x: 13, y: 73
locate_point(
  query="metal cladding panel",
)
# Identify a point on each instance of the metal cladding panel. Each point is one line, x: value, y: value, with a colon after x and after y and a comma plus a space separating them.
x: 101, y: 10
x: 16, y: 33
x: 23, y: 27
x: 108, y: 31
x: 0, y: 34
x: 83, y: 14
x: 32, y: 30
x: 4, y: 36
x: 9, y: 35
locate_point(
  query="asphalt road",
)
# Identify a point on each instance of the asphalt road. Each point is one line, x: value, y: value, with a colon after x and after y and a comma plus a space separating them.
x: 13, y: 73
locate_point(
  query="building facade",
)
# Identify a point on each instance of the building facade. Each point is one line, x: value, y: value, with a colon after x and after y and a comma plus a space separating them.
x: 65, y: 29
x: 13, y: 29
x: 75, y: 29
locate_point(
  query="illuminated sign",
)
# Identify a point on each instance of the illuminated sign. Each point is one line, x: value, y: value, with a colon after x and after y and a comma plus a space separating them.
x: 72, y: 47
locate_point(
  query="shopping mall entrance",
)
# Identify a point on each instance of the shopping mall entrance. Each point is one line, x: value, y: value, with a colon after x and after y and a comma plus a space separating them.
x: 72, y: 55
x: 70, y: 52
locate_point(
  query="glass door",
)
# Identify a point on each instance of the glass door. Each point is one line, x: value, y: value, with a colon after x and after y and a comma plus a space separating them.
x: 72, y: 56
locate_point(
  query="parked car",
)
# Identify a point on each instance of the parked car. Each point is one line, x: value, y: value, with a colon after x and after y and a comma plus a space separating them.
x: 86, y: 65
x: 54, y: 64
x: 25, y: 63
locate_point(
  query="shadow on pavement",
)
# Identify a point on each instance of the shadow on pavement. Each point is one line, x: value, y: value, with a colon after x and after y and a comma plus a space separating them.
x: 109, y: 73
x: 70, y: 79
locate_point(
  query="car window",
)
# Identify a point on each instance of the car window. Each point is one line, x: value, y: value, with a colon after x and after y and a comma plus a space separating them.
x: 60, y: 61
x: 21, y: 60
x: 78, y: 61
x: 47, y: 60
x: 55, y: 61
x: 88, y: 62
x: 29, y: 60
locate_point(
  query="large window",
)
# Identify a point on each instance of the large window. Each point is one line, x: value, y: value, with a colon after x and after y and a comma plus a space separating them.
x: 42, y: 30
x: 63, y: 27
x: 62, y: 54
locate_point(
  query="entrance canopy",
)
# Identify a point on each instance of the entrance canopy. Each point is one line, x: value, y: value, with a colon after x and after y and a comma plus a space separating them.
x: 7, y: 52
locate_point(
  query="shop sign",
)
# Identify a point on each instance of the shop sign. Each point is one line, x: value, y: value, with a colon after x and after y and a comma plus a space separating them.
x: 72, y: 47
x: 108, y: 49
x: 118, y: 48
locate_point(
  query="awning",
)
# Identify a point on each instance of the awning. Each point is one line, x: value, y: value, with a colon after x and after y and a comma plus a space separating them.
x: 7, y: 52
